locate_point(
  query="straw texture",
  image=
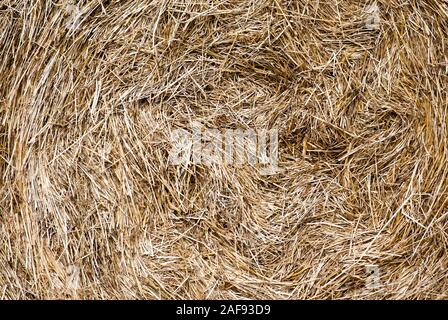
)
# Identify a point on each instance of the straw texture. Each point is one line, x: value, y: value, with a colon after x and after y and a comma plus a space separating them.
x: 91, y: 208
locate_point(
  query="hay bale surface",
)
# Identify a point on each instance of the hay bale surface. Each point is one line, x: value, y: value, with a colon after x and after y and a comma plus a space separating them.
x: 90, y: 92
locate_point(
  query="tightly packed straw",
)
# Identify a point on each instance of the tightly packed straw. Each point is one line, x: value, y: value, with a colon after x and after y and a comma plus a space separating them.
x: 90, y: 206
